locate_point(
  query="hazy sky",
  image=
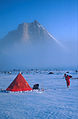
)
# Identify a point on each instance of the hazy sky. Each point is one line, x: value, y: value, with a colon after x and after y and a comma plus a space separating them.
x: 59, y: 17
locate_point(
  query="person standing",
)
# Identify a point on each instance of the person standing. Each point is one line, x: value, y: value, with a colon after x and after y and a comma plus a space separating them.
x: 67, y: 78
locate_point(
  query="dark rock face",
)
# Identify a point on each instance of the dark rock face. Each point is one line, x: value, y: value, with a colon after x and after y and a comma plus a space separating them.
x: 76, y: 70
x: 51, y: 73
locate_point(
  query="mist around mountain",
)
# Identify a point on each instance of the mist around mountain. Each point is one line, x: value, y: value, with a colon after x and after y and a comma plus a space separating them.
x: 31, y: 45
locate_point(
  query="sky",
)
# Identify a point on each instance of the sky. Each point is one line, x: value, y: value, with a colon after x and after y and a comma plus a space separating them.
x: 59, y: 17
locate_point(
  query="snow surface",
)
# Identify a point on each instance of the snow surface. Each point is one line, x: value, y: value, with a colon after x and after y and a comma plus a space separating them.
x: 55, y: 102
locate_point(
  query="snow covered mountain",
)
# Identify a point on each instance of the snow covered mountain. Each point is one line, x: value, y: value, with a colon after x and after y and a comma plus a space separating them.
x: 28, y: 32
x: 29, y: 45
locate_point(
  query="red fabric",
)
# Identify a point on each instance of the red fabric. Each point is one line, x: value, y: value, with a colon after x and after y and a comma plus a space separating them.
x: 68, y: 80
x: 19, y: 84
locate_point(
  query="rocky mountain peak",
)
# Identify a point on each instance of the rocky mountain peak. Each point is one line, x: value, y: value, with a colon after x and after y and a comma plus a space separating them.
x: 29, y: 32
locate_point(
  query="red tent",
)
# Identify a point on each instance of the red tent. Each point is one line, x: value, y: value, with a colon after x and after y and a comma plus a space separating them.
x: 19, y: 84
